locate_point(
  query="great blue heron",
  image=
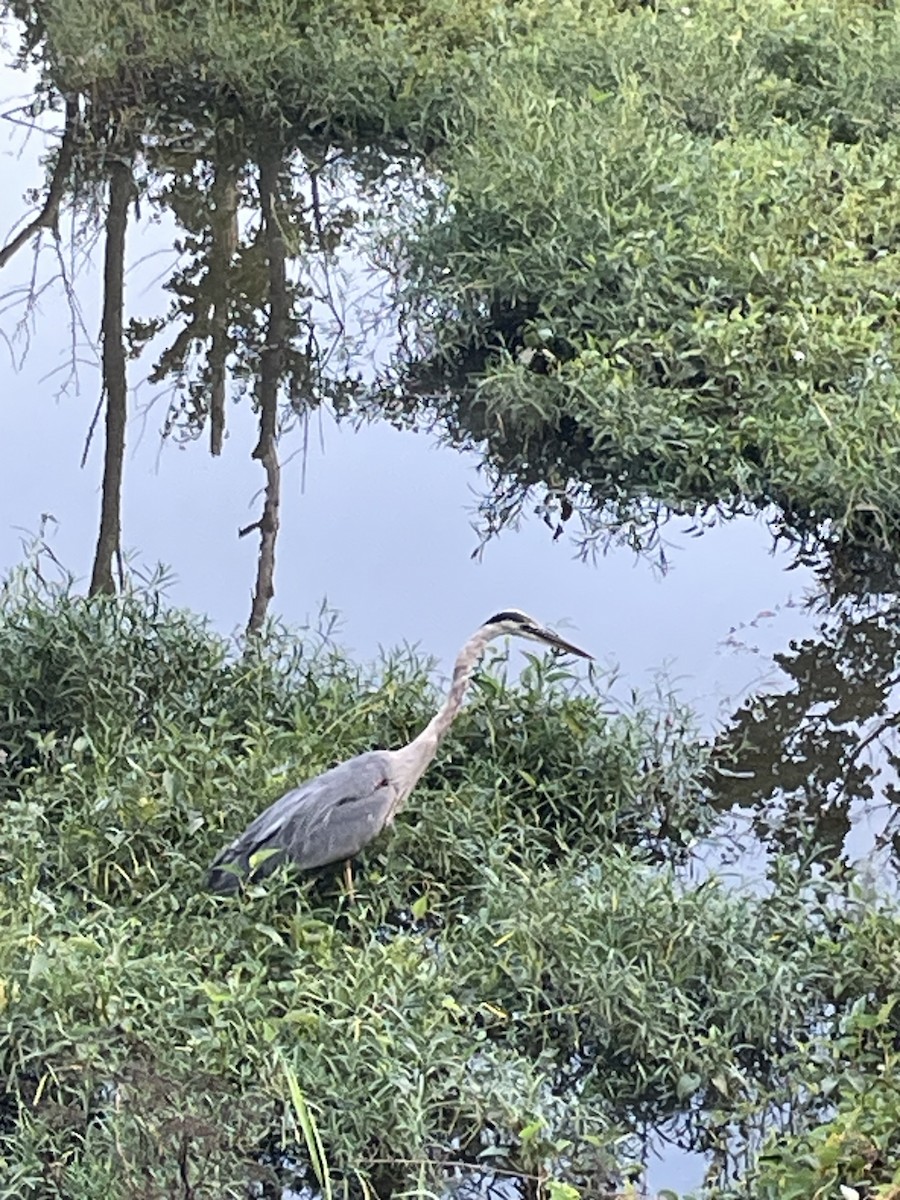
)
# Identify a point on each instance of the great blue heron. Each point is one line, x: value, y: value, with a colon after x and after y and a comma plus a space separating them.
x: 330, y: 818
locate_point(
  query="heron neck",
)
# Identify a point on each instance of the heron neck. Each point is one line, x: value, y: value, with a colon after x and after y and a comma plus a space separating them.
x: 425, y: 746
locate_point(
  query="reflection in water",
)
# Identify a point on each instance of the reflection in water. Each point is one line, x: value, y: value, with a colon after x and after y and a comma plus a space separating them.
x: 815, y: 763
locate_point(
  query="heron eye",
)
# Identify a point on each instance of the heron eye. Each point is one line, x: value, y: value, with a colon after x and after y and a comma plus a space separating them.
x: 384, y: 783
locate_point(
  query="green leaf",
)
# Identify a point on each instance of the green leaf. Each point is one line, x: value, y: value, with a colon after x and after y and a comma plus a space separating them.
x: 530, y: 1131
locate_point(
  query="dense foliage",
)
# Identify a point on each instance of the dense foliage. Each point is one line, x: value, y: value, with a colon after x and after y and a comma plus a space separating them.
x: 523, y: 980
x: 366, y: 73
x: 661, y: 266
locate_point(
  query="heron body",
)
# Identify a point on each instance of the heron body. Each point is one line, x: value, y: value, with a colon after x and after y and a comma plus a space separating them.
x: 331, y: 818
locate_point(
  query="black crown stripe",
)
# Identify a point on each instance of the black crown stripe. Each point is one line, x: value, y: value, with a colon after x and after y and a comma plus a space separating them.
x: 517, y: 617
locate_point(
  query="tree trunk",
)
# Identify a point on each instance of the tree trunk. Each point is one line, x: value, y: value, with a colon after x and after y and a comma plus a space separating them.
x: 270, y: 374
x: 115, y: 388
x: 224, y: 244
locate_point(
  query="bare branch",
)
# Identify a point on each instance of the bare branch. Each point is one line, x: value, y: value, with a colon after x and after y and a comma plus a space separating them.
x: 91, y: 428
x: 47, y: 217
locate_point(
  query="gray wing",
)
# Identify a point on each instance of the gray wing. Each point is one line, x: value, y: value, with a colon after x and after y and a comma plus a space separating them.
x: 325, y: 820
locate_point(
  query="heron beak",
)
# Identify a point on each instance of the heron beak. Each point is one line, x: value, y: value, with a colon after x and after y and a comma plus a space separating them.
x: 558, y: 643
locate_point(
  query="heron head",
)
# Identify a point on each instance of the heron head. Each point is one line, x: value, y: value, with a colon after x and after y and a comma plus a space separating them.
x: 518, y: 624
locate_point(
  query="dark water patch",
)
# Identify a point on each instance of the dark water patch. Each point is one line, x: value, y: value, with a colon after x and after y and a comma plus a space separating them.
x: 411, y: 922
x: 286, y: 1174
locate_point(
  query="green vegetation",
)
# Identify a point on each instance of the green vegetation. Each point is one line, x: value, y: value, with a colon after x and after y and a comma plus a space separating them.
x: 860, y: 1141
x: 524, y: 980
x: 661, y: 267
x: 367, y: 73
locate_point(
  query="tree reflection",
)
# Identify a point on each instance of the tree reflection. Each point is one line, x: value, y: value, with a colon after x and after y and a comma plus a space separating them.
x: 808, y: 760
x: 257, y: 311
